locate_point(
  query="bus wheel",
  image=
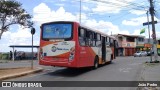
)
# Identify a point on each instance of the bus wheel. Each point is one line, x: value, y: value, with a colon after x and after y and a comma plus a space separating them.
x: 96, y: 62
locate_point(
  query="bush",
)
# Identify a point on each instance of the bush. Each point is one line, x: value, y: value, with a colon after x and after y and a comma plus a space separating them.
x: 0, y: 56
x: 5, y: 56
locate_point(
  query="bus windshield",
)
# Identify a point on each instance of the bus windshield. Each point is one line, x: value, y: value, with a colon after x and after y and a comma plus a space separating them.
x: 56, y: 31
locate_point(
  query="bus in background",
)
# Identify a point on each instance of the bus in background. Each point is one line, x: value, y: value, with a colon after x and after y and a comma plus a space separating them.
x: 69, y: 44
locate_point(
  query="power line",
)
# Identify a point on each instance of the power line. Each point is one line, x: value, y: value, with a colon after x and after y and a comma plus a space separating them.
x: 120, y: 17
x: 128, y: 6
x: 134, y: 4
x: 122, y: 6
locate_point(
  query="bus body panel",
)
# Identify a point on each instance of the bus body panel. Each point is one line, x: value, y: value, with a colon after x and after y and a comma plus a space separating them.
x: 58, y: 53
x: 86, y: 57
x: 70, y: 53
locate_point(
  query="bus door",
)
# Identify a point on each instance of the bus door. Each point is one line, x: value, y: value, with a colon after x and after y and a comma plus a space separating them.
x: 103, y: 49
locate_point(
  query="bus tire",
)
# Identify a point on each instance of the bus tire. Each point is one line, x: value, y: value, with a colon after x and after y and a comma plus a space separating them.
x: 96, y: 60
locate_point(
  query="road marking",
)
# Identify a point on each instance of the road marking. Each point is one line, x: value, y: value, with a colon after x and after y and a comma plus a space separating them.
x: 125, y: 69
x: 135, y: 64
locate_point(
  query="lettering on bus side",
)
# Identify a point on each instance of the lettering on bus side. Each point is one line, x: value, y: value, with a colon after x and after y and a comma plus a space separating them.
x: 83, y: 50
x: 64, y: 43
x: 54, y: 49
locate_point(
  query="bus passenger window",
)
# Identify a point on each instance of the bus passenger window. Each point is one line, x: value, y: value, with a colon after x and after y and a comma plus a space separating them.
x: 95, y: 36
x: 81, y: 41
x: 107, y: 43
x: 86, y: 42
x: 98, y: 37
x: 111, y: 42
x: 88, y: 34
x: 82, y: 32
x: 98, y: 43
x: 107, y: 39
x: 93, y: 43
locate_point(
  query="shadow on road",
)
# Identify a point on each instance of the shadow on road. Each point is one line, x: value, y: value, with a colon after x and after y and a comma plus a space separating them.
x: 69, y: 72
x: 73, y: 72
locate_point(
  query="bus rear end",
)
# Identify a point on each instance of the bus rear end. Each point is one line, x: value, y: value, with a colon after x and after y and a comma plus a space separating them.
x: 57, y: 44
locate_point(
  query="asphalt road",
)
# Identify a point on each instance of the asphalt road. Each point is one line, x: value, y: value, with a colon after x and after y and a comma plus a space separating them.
x: 121, y: 69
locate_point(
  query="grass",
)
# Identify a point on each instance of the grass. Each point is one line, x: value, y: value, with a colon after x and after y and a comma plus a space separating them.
x: 152, y: 64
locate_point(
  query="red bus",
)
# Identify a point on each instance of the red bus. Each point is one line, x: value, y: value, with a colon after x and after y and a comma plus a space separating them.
x: 69, y: 44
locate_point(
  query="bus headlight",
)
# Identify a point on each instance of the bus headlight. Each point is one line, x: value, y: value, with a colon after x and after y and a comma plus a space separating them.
x: 72, y: 52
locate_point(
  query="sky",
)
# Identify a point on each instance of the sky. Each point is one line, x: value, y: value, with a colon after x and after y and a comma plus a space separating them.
x: 107, y: 16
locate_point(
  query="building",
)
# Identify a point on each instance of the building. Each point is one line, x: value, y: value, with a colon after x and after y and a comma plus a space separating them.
x: 149, y: 45
x: 129, y: 44
x: 158, y: 47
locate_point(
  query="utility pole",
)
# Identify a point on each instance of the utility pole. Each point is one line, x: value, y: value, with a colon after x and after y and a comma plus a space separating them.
x: 153, y: 31
x: 149, y: 35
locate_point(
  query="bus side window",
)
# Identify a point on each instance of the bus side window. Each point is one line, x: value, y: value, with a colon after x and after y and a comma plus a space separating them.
x: 98, y: 37
x: 107, y: 39
x: 107, y: 44
x: 111, y: 42
x: 87, y: 38
x: 81, y: 34
x: 98, y: 41
x: 94, y: 39
x: 91, y: 37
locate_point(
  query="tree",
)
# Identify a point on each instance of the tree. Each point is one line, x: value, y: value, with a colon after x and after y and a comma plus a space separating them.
x: 11, y: 12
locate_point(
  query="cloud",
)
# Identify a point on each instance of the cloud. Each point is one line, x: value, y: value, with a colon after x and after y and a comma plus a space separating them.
x: 104, y: 26
x: 137, y: 12
x: 113, y: 6
x: 136, y: 32
x: 85, y: 8
x: 158, y: 35
x: 135, y: 21
x: 102, y: 8
x: 42, y: 14
x: 21, y: 37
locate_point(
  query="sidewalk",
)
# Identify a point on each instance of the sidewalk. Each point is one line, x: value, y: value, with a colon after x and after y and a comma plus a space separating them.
x: 150, y: 72
x: 12, y: 69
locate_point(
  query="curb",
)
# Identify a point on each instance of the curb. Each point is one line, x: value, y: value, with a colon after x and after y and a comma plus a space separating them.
x: 21, y: 74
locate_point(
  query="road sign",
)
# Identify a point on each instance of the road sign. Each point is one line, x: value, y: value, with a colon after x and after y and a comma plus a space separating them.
x: 146, y: 23
x: 33, y: 31
x: 153, y: 35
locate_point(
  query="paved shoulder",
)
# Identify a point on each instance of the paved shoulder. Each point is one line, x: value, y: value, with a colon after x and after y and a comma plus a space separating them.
x: 7, y: 73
